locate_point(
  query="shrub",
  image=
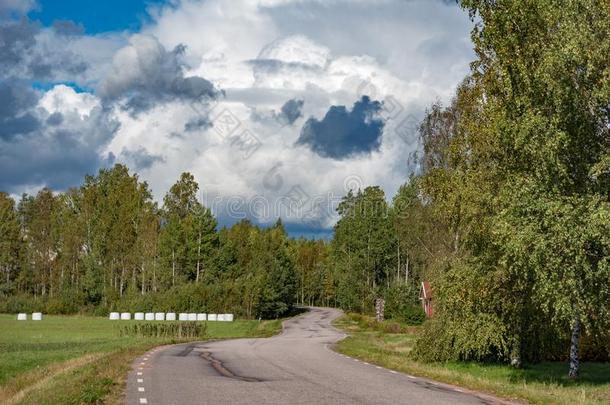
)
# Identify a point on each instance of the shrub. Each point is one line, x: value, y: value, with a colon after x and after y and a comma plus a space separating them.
x: 595, y: 347
x: 20, y: 303
x: 172, y: 330
x: 412, y: 315
x: 63, y: 305
x: 401, y: 304
x: 391, y: 327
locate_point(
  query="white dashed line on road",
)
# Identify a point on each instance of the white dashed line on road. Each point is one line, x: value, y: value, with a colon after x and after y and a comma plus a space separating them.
x: 139, y: 373
x: 140, y: 389
x: 140, y: 380
x: 143, y: 401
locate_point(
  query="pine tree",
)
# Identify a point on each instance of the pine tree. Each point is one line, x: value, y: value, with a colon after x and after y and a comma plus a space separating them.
x: 10, y: 242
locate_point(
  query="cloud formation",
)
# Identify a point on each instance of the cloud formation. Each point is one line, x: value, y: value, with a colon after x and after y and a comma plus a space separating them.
x: 139, y: 159
x: 259, y: 99
x: 29, y: 52
x: 342, y: 133
x: 17, y: 101
x: 59, y: 154
x: 17, y: 7
x: 146, y: 74
x: 291, y: 111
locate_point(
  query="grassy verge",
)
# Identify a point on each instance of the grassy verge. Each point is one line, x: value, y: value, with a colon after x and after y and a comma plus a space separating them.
x: 389, y: 344
x: 77, y: 359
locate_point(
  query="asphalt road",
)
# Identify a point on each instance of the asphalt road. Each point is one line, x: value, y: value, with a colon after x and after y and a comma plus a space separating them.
x: 295, y: 367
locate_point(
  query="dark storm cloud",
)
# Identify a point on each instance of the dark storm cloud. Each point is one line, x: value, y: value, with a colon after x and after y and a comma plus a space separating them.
x: 39, y: 147
x: 16, y: 102
x: 55, y: 119
x: 342, y: 133
x: 276, y: 66
x: 262, y: 68
x: 197, y: 123
x: 13, y: 8
x: 13, y: 127
x: 17, y: 39
x: 291, y: 111
x: 22, y: 53
x: 153, y: 76
x: 58, y: 154
x: 140, y: 158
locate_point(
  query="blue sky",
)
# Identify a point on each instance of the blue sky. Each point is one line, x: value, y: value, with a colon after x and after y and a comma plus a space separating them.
x: 96, y: 16
x: 278, y: 107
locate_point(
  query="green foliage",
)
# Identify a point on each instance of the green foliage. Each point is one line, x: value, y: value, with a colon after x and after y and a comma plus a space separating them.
x: 10, y: 243
x: 316, y: 284
x: 94, y: 393
x: 166, y: 330
x: 363, y: 248
x: 541, y: 383
x: 515, y: 168
x: 402, y: 305
x: 106, y: 246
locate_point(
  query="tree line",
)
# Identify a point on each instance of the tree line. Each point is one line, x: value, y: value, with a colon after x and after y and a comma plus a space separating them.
x: 108, y: 246
x: 517, y: 170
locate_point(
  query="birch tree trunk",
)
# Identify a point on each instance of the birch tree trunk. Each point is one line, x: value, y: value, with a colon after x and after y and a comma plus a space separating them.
x: 575, y: 348
x: 398, y: 267
x: 143, y: 279
x: 198, y: 256
x: 173, y: 267
x: 515, y: 354
x: 122, y: 279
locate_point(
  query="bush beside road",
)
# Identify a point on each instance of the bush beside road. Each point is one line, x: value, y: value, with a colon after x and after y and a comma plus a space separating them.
x: 388, y: 344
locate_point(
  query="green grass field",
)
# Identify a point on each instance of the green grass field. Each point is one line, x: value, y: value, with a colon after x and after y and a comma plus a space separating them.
x: 544, y: 383
x: 67, y: 351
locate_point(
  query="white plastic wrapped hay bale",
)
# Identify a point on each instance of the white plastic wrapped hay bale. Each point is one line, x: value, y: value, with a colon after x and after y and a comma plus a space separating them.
x: 201, y: 317
x: 149, y: 316
x: 212, y: 317
x: 192, y: 317
x: 170, y: 316
x: 37, y: 316
x: 138, y: 316
x: 114, y: 316
x: 220, y: 317
x: 183, y: 317
x: 22, y: 317
x: 125, y: 316
x: 229, y: 317
x: 159, y: 316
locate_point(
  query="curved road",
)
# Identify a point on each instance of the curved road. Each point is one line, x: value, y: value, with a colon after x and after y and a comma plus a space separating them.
x: 295, y: 367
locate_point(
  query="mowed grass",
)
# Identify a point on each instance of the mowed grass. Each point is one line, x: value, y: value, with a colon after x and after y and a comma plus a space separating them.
x: 544, y: 383
x: 79, y: 359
